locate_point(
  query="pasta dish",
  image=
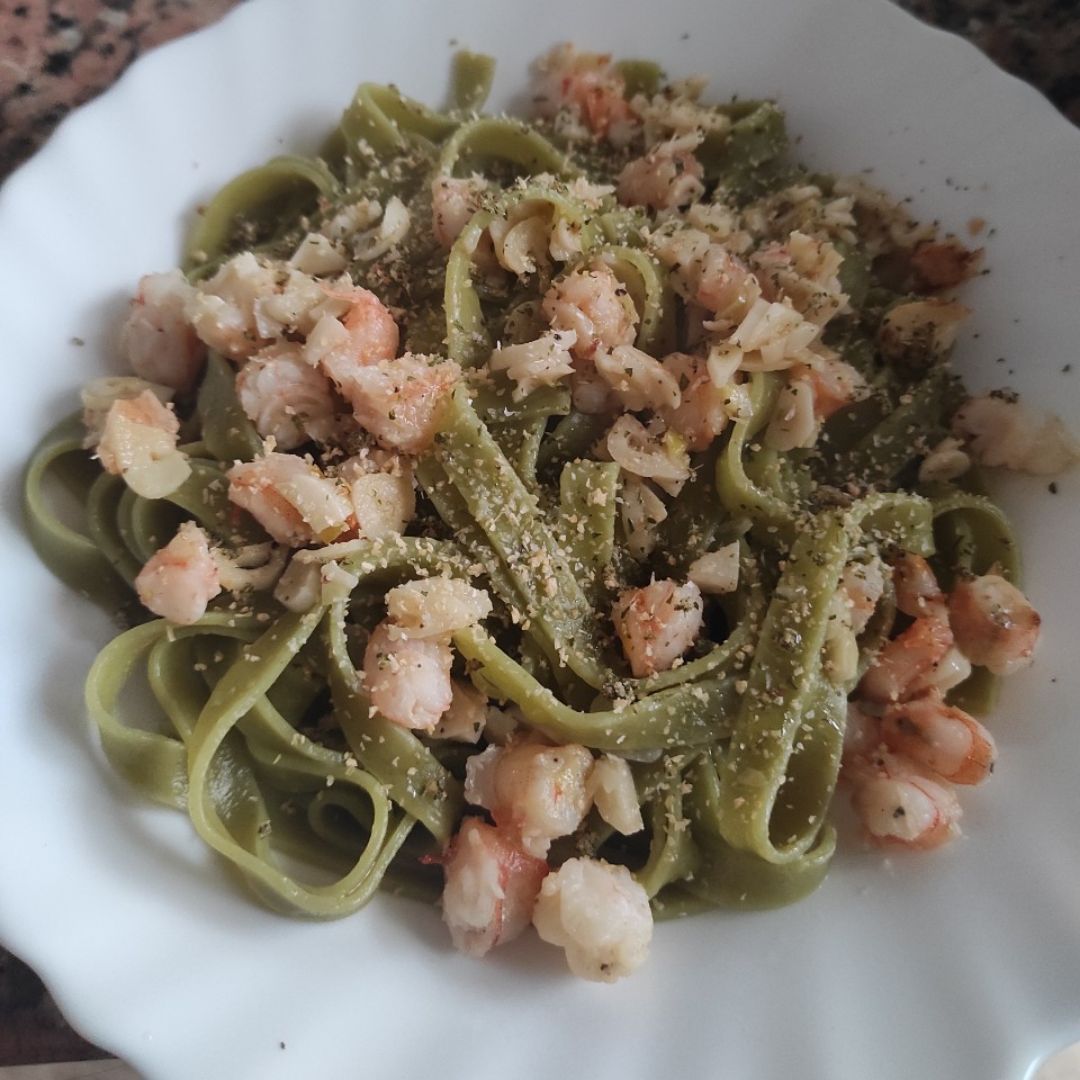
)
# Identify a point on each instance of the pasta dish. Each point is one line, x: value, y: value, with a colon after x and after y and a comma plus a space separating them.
x: 548, y: 515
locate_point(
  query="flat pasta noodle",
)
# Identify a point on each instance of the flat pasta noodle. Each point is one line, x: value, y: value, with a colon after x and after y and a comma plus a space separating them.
x: 651, y: 292
x: 259, y: 200
x: 78, y: 559
x: 770, y: 514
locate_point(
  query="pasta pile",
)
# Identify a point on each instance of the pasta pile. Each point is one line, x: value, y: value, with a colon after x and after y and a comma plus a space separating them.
x: 778, y: 410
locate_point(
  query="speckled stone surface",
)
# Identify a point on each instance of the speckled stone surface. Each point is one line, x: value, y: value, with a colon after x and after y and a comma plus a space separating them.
x: 57, y: 54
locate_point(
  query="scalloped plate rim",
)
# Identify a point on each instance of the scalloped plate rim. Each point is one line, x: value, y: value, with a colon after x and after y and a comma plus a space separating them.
x: 69, y: 988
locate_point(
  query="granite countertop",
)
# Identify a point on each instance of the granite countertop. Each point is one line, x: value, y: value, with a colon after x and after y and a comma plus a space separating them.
x: 57, y: 54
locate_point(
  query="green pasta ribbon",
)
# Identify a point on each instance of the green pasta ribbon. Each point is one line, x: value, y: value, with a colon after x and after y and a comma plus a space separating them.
x: 248, y: 209
x: 780, y: 768
x: 76, y: 558
x: 470, y: 81
x: 773, y: 517
x: 509, y: 516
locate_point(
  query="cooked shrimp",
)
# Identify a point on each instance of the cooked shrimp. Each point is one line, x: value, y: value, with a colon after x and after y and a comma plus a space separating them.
x: 399, y: 400
x: 649, y: 452
x: 945, y: 461
x: 138, y: 442
x: 589, y: 392
x: 719, y: 222
x: 678, y: 112
x: 596, y: 306
x: 454, y: 200
x: 295, y: 302
x: 806, y: 271
x: 707, y: 273
x: 667, y: 177
x: 862, y: 733
x: 564, y: 238
x: 538, y: 792
x: 180, y: 579
x: 774, y: 336
x: 491, y: 887
x: 917, y: 589
x: 994, y: 623
x: 899, y: 805
x: 98, y: 395
x: 365, y: 334
x: 945, y: 739
x: 862, y: 584
x: 588, y: 84
x: 144, y: 408
x: 381, y: 490
x: 722, y: 284
x: 611, y: 786
x: 222, y: 310
x: 657, y: 624
x: 906, y: 659
x: 466, y: 718
x: 318, y: 255
x: 286, y: 398
x: 999, y: 431
x: 920, y: 330
x: 532, y: 364
x: 951, y: 670
x: 436, y: 607
x: 944, y: 264
x: 503, y: 726
x: 638, y: 381
x: 290, y: 498
x: 599, y: 914
x: 157, y: 338
x: 717, y: 572
x: 408, y: 679
x: 833, y: 382
x: 703, y: 408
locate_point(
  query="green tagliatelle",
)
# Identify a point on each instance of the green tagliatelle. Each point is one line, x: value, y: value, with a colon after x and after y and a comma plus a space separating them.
x: 265, y: 732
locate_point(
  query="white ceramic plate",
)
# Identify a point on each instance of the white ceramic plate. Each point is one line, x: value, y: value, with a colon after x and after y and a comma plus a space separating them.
x: 963, y: 964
